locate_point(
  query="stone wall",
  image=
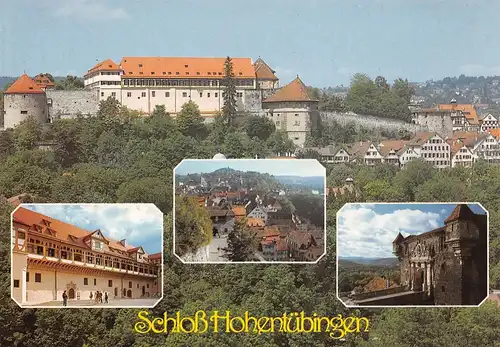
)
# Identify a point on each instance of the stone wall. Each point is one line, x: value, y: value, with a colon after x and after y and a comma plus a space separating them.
x: 436, y: 122
x: 18, y: 107
x: 201, y: 255
x: 370, y: 122
x: 68, y: 104
x: 253, y: 100
x: 373, y: 294
x: 410, y: 298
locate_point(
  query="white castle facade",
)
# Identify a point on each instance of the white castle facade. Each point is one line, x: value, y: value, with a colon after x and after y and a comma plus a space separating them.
x: 142, y: 83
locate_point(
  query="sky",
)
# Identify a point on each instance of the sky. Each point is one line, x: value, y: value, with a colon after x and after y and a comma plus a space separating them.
x: 139, y: 224
x: 367, y: 230
x: 323, y: 41
x: 275, y: 167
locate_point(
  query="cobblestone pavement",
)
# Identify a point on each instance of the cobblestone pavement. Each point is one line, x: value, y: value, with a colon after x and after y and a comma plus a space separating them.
x: 142, y: 302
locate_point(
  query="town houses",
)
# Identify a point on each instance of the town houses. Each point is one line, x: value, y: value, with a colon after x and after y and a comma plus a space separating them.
x: 281, y: 234
x: 462, y: 148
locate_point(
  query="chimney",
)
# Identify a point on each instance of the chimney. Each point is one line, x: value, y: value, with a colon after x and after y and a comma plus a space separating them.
x: 124, y: 242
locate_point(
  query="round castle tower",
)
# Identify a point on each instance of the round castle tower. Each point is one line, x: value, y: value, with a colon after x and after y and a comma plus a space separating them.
x: 24, y: 98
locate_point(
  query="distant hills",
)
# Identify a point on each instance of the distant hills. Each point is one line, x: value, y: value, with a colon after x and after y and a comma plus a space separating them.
x: 313, y: 182
x: 5, y: 80
x: 353, y: 261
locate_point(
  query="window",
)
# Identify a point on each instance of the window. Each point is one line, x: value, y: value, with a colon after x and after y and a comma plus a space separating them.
x: 208, y: 95
x: 167, y: 94
x: 153, y: 93
x: 184, y: 94
x: 137, y: 285
x: 143, y: 94
x: 129, y: 94
x: 39, y: 250
x: 38, y: 278
x: 27, y: 276
x: 110, y: 283
x: 102, y: 93
x: 442, y: 289
x: 24, y: 112
x: 95, y: 281
x: 201, y: 94
x: 113, y: 94
x: 130, y: 284
x: 51, y: 252
x: 85, y: 281
x: 16, y: 283
x: 147, y: 286
x: 216, y: 95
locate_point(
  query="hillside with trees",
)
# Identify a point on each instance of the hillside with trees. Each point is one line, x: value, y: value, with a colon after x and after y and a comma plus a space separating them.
x: 120, y: 157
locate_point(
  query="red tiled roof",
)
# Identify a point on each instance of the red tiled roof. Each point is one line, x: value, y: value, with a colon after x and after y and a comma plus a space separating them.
x: 495, y: 133
x: 64, y: 231
x: 177, y: 67
x: 24, y: 85
x: 263, y: 71
x: 462, y: 211
x: 106, y: 65
x: 386, y: 146
x: 294, y: 91
x: 255, y: 222
x: 468, y: 110
x: 43, y: 81
x: 155, y: 256
x: 301, y: 238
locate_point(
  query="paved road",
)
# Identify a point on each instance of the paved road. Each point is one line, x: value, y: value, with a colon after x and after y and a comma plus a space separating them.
x: 215, y: 248
x: 143, y: 302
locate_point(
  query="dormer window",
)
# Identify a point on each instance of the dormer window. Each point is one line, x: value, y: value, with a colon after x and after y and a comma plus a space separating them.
x: 97, y: 245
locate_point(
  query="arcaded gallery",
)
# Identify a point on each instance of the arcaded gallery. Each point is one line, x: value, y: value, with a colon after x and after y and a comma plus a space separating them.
x: 50, y: 256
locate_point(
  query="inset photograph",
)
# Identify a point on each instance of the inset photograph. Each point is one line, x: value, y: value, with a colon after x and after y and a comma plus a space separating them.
x: 249, y: 210
x: 412, y: 254
x: 87, y: 255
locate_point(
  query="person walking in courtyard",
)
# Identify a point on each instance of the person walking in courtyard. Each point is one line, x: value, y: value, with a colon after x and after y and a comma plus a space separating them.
x: 106, y: 297
x: 65, y: 299
x: 97, y: 297
x: 91, y: 295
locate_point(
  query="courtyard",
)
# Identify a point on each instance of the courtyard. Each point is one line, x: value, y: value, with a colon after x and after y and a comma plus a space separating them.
x: 126, y: 302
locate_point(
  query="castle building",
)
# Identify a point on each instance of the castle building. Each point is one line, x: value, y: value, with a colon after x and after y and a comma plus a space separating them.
x: 141, y: 83
x: 44, y: 82
x: 448, y: 264
x: 293, y: 110
x: 50, y: 257
x: 24, y: 98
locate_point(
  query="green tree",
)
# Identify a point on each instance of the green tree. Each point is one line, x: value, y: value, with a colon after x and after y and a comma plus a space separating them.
x: 229, y: 109
x: 241, y: 243
x: 193, y: 227
x: 147, y: 190
x: 108, y: 108
x: 27, y: 134
x: 261, y: 127
x: 190, y: 122
x: 403, y: 89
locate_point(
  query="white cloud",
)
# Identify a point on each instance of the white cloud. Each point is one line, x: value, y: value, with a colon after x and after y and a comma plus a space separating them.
x: 140, y: 224
x: 86, y: 9
x: 363, y: 232
x: 480, y: 70
x: 443, y: 211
